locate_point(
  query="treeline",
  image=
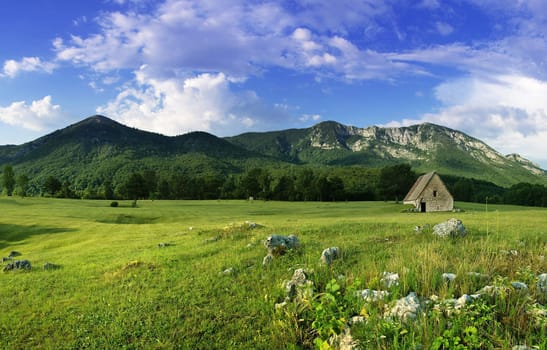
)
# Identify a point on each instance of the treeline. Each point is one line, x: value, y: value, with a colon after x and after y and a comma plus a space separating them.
x: 284, y: 184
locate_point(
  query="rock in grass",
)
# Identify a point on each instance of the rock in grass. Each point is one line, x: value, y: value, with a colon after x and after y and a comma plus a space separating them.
x: 18, y: 265
x: 330, y: 254
x: 6, y: 258
x: 521, y: 347
x: 448, y: 277
x: 390, y: 279
x: 299, y: 286
x: 268, y: 259
x: 542, y: 283
x: 406, y: 308
x: 50, y: 266
x: 13, y: 254
x: 371, y: 295
x: 450, y: 228
x: 278, y: 244
x: 519, y: 285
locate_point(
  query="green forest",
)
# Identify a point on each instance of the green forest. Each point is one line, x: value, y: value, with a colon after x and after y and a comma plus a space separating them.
x: 389, y: 183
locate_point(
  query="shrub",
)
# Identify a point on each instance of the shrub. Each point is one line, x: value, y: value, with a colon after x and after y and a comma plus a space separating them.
x: 114, y: 204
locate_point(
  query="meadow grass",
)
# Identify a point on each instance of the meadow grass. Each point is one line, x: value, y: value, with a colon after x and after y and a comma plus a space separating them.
x: 117, y: 288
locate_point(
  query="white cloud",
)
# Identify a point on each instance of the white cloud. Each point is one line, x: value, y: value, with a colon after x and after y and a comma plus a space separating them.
x: 26, y: 64
x: 36, y: 116
x: 444, y: 28
x: 508, y: 112
x: 310, y: 117
x: 204, y: 102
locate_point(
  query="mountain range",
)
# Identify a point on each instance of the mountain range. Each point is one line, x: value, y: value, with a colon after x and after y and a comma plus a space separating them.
x: 98, y: 148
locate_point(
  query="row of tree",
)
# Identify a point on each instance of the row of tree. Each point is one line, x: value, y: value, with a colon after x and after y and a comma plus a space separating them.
x: 288, y: 184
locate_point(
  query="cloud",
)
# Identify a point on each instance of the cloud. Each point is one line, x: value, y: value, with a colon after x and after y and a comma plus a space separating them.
x: 508, y: 112
x: 36, y: 116
x: 27, y: 64
x: 204, y: 102
x: 444, y: 28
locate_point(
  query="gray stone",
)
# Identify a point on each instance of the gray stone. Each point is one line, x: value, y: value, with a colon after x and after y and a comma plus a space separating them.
x: 164, y: 244
x: 448, y: 277
x: 268, y: 259
x: 18, y: 265
x: 228, y: 271
x: 390, y: 279
x: 50, y: 266
x: 330, y: 254
x: 542, y: 283
x: 371, y: 295
x: 278, y: 244
x: 450, y: 228
x: 406, y: 308
x: 519, y: 285
x: 299, y: 286
x: 13, y: 254
x: 6, y: 258
x: 521, y: 347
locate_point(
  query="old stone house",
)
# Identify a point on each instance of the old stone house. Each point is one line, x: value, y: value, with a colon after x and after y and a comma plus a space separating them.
x: 429, y: 194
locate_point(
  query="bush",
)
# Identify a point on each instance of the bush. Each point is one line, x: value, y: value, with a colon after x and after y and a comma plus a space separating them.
x: 114, y: 204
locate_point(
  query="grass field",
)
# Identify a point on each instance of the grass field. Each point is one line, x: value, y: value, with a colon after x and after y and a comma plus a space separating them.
x: 117, y: 289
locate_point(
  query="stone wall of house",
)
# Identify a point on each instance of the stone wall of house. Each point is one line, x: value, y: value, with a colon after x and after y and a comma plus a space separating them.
x: 436, y: 196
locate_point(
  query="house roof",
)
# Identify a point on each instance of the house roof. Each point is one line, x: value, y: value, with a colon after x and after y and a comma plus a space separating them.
x: 419, y: 186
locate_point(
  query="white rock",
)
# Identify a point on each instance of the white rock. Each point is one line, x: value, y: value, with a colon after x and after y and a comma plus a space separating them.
x: 542, y: 283
x: 406, y: 308
x: 390, y: 279
x: 448, y: 277
x: 330, y: 254
x: 268, y: 259
x: 370, y: 295
x: 519, y: 285
x: 450, y: 228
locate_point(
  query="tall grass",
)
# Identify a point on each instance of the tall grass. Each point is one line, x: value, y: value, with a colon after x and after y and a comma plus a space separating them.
x: 117, y: 288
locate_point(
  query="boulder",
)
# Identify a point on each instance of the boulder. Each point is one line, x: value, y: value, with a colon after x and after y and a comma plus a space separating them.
x: 406, y: 308
x: 278, y: 244
x: 450, y: 228
x: 18, y: 265
x: 330, y: 254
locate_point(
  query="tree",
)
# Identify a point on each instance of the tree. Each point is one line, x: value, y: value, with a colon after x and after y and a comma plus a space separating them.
x: 395, y: 181
x: 134, y: 187
x: 284, y: 189
x: 108, y: 190
x: 21, y: 185
x: 51, y: 185
x: 304, y: 185
x: 8, y: 180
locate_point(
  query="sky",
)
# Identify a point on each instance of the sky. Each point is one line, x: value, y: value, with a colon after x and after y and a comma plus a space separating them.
x: 234, y: 66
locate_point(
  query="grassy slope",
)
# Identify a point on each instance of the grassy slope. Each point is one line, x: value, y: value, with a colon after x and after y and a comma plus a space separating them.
x: 117, y: 289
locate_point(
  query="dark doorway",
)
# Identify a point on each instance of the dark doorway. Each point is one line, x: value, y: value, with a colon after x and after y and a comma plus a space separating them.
x: 422, y: 207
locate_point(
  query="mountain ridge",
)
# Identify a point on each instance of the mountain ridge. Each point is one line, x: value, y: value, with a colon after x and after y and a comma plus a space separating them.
x: 98, y: 147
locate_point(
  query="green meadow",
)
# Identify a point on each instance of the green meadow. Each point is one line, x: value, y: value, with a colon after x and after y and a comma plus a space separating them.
x: 189, y: 275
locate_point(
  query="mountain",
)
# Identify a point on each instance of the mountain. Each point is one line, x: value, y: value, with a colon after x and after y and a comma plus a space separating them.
x: 425, y: 146
x: 98, y: 149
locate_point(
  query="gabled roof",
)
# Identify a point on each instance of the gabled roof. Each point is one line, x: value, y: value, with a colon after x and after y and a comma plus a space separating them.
x: 419, y: 186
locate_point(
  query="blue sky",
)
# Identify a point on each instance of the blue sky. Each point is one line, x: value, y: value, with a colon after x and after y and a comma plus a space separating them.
x: 232, y: 66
